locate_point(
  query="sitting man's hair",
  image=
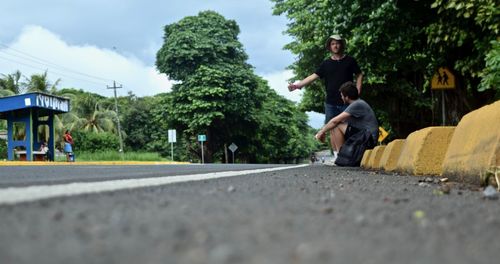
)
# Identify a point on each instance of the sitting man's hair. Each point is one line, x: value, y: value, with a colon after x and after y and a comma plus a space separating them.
x: 349, y: 89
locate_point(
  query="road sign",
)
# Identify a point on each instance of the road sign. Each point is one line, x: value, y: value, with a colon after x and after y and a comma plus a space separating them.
x: 172, y: 136
x: 382, y: 134
x: 202, y: 138
x: 443, y: 79
x: 233, y: 147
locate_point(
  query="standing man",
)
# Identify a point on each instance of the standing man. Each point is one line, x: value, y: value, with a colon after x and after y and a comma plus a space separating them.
x: 339, y: 68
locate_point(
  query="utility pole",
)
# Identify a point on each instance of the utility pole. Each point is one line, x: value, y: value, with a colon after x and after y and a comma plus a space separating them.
x: 117, y: 116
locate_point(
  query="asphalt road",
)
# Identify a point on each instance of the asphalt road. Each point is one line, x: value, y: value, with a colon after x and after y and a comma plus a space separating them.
x: 11, y: 176
x: 314, y: 214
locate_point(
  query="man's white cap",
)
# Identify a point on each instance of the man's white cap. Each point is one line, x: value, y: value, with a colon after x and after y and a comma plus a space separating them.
x: 334, y: 37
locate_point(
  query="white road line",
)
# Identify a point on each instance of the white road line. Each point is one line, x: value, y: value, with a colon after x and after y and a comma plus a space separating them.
x: 14, y: 195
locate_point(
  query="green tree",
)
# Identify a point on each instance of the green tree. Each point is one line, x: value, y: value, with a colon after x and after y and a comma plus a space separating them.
x: 466, y: 35
x: 215, y: 93
x: 283, y: 135
x: 40, y: 83
x: 10, y: 84
x: 92, y: 116
x: 205, y: 39
x: 138, y: 122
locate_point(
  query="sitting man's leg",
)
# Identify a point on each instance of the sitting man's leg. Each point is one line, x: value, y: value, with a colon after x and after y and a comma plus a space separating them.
x: 337, y: 136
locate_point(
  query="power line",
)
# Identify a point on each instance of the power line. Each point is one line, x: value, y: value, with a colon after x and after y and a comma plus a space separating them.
x: 47, y: 63
x: 52, y: 71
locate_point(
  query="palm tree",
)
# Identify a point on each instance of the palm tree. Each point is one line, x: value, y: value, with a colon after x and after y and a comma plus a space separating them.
x: 10, y: 85
x: 40, y: 83
x: 93, y: 117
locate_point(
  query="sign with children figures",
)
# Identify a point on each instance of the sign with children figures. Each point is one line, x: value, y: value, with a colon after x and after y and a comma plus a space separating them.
x: 443, y: 79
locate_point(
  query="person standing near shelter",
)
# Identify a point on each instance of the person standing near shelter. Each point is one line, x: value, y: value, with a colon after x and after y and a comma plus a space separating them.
x: 339, y: 68
x: 68, y: 145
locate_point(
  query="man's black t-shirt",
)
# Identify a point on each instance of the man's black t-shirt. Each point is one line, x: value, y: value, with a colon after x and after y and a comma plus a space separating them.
x: 335, y: 73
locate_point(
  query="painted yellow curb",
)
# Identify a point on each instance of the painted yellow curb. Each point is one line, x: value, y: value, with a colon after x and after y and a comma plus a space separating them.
x: 58, y: 163
x: 424, y: 151
x: 374, y: 160
x: 390, y: 157
x: 475, y: 146
x: 366, y: 157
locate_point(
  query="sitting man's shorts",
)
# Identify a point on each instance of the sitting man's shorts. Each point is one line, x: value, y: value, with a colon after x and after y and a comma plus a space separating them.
x: 350, y: 130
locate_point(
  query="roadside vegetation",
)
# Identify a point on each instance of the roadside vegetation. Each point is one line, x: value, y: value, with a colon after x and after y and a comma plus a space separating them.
x: 113, y: 155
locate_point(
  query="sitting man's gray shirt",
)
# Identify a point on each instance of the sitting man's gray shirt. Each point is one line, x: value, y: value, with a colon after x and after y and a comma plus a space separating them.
x: 362, y: 117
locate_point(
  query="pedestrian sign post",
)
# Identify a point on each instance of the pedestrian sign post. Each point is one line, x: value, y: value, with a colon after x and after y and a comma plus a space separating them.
x: 233, y: 148
x: 202, y: 138
x: 443, y: 79
x: 172, y: 138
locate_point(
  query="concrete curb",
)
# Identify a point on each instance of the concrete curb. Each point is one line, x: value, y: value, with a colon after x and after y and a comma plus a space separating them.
x: 374, y: 160
x: 366, y: 157
x: 390, y: 157
x: 424, y: 151
x: 475, y: 145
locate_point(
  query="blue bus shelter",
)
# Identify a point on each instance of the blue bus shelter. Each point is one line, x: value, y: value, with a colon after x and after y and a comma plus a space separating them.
x: 30, y: 122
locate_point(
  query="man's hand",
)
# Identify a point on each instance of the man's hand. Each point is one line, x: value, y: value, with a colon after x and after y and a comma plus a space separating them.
x: 320, y: 136
x: 292, y: 86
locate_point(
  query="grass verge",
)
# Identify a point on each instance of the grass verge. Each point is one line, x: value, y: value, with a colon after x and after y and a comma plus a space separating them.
x: 115, y: 156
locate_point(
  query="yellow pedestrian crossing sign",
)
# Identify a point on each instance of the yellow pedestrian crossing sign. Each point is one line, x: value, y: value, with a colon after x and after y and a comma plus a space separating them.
x: 382, y: 134
x: 443, y: 79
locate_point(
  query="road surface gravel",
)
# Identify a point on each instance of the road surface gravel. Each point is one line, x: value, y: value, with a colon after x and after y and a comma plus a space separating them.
x: 314, y: 214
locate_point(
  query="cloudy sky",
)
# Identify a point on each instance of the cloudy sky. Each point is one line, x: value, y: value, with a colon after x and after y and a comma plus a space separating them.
x: 88, y: 44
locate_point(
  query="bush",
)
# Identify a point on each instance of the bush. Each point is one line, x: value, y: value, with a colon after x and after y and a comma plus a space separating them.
x: 111, y: 155
x: 3, y: 149
x: 95, y: 142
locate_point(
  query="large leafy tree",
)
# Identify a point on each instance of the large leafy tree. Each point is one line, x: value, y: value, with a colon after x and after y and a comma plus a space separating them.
x: 465, y: 37
x: 215, y: 95
x: 202, y: 40
x: 219, y: 95
x: 139, y: 124
x: 283, y: 134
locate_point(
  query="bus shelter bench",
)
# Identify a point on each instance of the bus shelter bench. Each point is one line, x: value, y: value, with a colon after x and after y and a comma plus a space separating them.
x: 37, y: 155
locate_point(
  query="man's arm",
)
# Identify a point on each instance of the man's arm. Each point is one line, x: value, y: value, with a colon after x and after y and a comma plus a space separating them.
x: 359, y: 82
x: 342, y: 117
x: 309, y: 79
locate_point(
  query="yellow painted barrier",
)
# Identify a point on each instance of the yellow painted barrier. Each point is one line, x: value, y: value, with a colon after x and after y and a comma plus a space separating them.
x: 390, y: 157
x: 374, y: 160
x: 424, y: 151
x: 366, y: 157
x: 475, y: 146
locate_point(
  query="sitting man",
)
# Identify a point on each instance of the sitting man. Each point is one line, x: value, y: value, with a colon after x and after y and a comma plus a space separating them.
x: 358, y: 116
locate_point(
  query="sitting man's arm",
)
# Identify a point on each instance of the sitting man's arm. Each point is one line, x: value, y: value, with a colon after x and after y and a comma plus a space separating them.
x: 341, y: 118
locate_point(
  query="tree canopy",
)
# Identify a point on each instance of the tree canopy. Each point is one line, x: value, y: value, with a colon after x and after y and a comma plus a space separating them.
x: 399, y: 45
x: 218, y: 94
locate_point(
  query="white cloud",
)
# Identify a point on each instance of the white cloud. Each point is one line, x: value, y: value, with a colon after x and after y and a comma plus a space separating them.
x: 92, y: 69
x: 279, y: 82
x: 84, y: 67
